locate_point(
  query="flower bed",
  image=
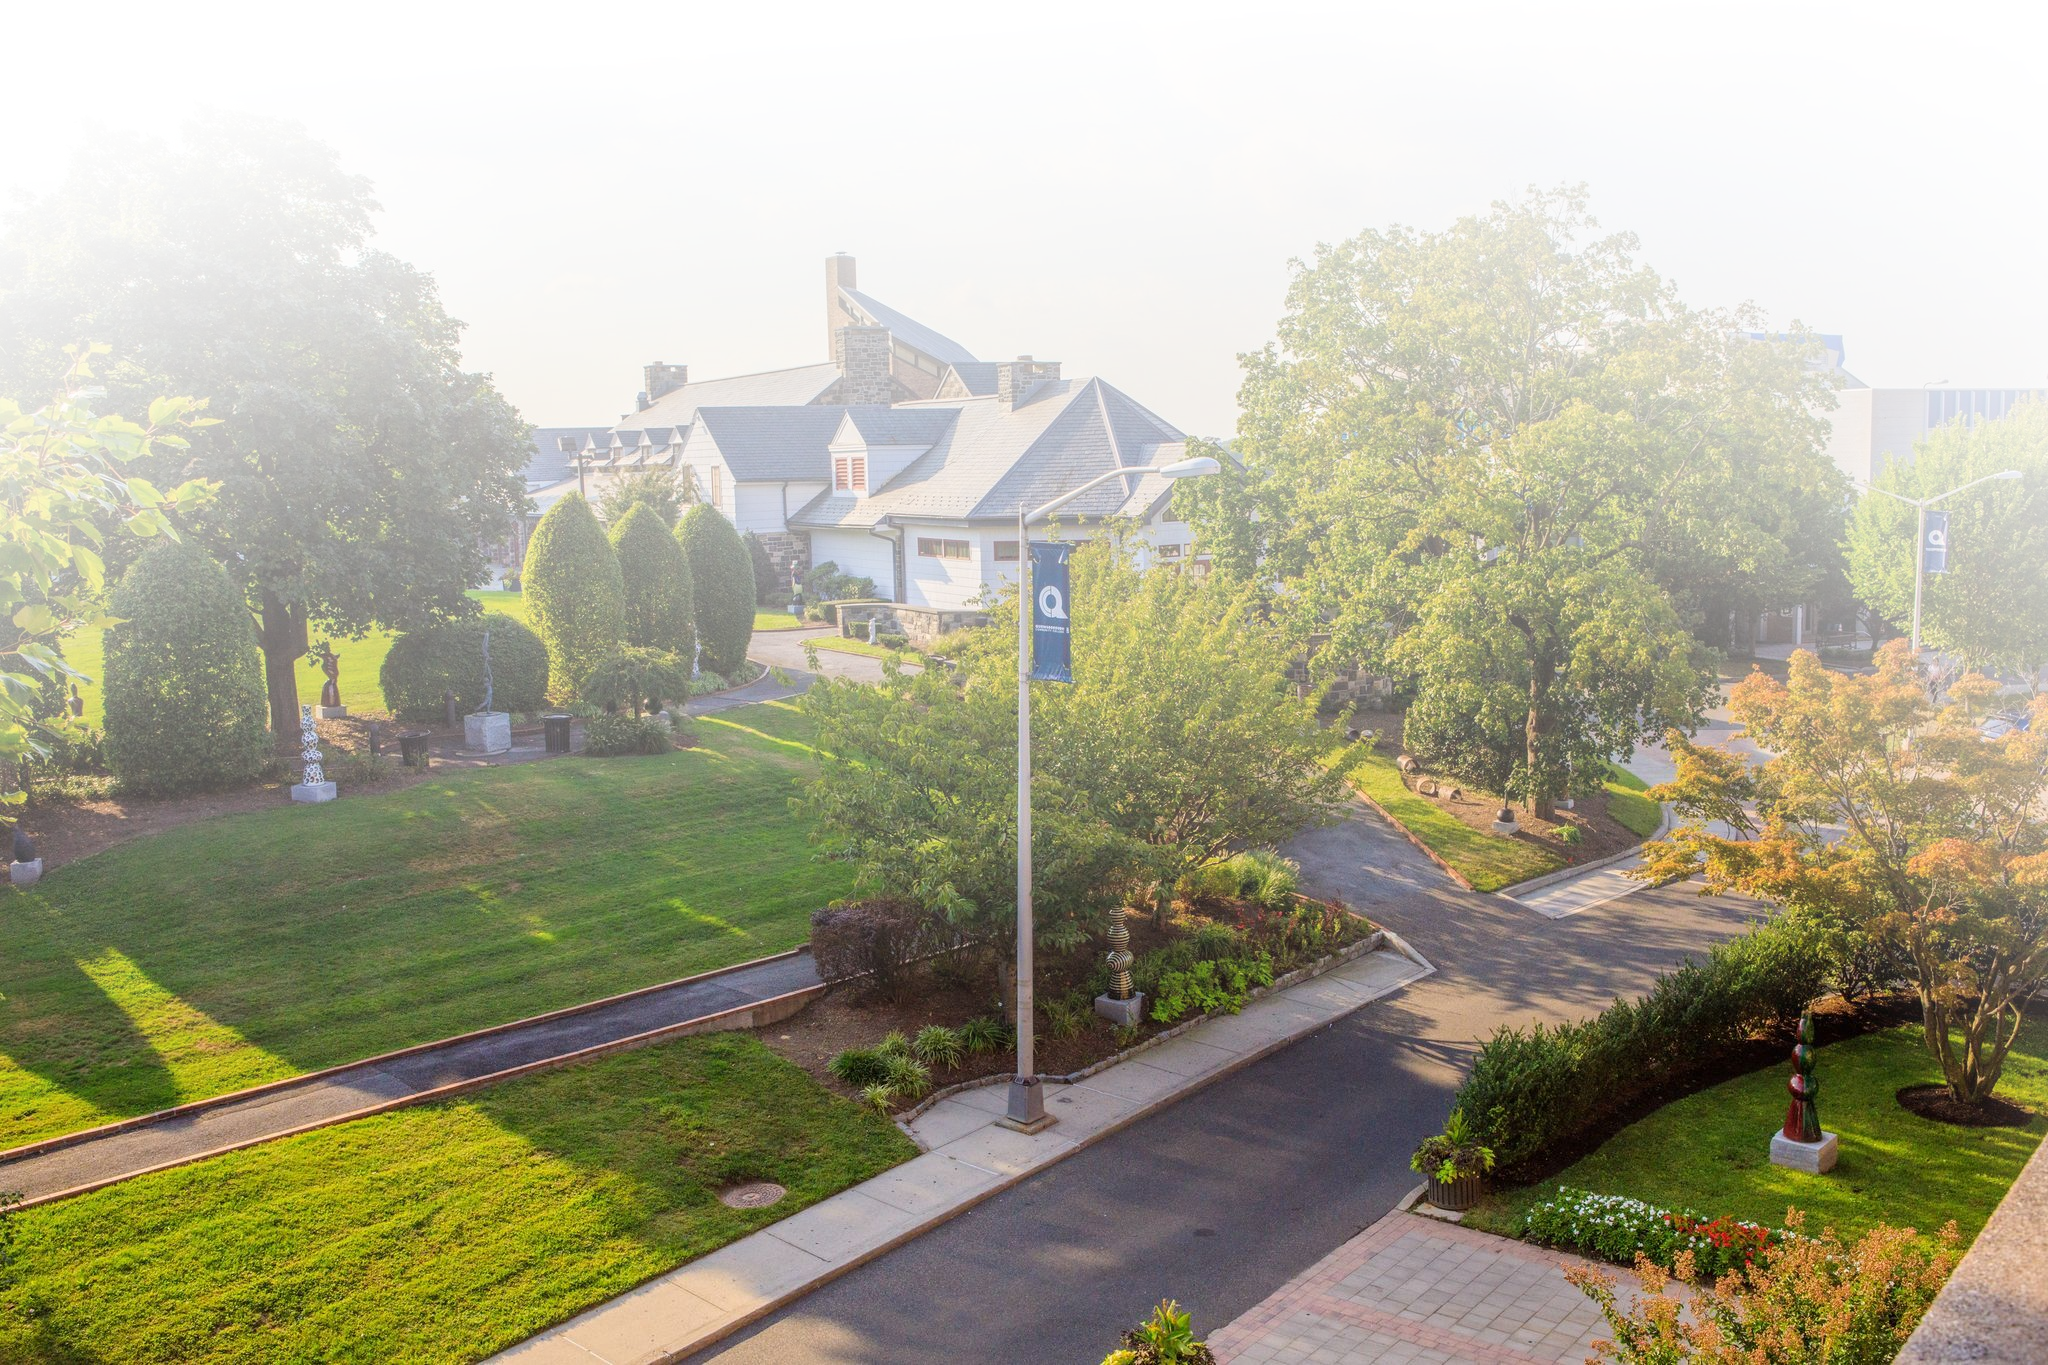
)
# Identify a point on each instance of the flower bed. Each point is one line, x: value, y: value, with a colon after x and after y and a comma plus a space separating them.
x: 1616, y: 1228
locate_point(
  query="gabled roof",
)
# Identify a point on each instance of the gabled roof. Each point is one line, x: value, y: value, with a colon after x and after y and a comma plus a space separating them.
x: 773, y: 444
x: 908, y: 330
x: 772, y: 388
x: 975, y: 378
x: 549, y: 463
x: 899, y: 426
x: 992, y: 459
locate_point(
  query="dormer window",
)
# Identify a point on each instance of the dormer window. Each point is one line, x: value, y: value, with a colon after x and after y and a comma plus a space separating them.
x: 850, y: 473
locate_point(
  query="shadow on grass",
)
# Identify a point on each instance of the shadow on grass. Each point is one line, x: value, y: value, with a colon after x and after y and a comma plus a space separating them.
x: 59, y: 1024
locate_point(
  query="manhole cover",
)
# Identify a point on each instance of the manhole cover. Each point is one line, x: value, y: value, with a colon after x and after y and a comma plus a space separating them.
x: 757, y: 1194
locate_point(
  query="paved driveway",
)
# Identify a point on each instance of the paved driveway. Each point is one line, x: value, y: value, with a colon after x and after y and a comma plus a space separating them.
x: 1232, y: 1193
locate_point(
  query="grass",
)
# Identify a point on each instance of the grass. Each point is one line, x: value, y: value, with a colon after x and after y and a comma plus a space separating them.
x: 443, y: 1232
x: 1636, y: 813
x: 776, y: 620
x: 1486, y: 861
x: 1711, y: 1151
x: 843, y: 645
x: 360, y: 662
x: 239, y: 950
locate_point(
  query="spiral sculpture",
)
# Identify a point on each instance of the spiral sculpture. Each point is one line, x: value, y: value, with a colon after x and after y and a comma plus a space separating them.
x: 1120, y: 958
x: 309, y: 748
x: 1802, y: 1115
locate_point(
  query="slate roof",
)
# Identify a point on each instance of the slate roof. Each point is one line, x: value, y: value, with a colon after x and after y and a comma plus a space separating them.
x: 772, y: 388
x: 908, y: 330
x: 900, y: 426
x: 770, y: 444
x: 991, y: 459
x: 976, y: 377
x: 549, y: 463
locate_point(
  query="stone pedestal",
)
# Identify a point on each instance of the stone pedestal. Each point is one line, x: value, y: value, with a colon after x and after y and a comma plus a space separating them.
x: 330, y: 712
x: 1122, y: 1013
x: 313, y: 792
x: 25, y: 874
x: 487, y: 733
x: 1815, y: 1158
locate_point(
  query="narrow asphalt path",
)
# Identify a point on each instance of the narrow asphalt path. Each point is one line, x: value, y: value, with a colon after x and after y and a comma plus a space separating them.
x: 1226, y: 1196
x: 346, y: 1090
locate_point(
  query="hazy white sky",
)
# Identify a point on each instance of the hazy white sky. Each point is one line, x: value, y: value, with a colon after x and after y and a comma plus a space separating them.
x: 1118, y: 187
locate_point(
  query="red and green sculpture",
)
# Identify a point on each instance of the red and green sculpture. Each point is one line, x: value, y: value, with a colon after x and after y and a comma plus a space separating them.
x: 1802, y: 1118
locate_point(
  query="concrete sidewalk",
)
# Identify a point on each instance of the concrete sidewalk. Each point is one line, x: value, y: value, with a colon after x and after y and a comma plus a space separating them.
x: 968, y: 1157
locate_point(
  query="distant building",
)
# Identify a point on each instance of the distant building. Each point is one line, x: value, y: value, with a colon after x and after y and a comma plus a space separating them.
x: 1872, y: 426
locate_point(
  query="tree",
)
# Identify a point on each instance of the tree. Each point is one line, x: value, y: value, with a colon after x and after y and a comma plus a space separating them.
x: 1495, y: 460
x: 425, y: 665
x: 722, y: 575
x: 660, y: 599
x: 1943, y: 849
x: 575, y: 595
x: 769, y: 587
x: 361, y: 470
x: 1991, y: 607
x: 667, y: 491
x: 184, y: 689
x: 62, y: 480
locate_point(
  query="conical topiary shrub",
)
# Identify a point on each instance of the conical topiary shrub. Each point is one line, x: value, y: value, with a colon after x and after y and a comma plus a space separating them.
x: 722, y: 573
x: 575, y: 595
x: 660, y: 601
x: 185, y: 703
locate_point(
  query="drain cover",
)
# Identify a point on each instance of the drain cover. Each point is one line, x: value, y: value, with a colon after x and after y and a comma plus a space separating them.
x: 757, y: 1194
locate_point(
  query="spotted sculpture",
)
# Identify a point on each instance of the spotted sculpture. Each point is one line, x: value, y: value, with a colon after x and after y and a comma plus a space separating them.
x: 1802, y: 1117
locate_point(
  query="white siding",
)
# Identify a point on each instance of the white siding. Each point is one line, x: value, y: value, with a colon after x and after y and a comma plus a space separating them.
x: 859, y: 554
x: 944, y: 583
x: 757, y: 507
x: 702, y: 456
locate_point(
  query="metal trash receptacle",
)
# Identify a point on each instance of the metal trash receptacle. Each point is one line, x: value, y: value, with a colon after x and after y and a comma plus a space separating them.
x: 557, y: 730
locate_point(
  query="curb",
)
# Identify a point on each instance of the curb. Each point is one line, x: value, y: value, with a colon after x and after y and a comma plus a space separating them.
x: 1565, y: 874
x: 1411, y: 837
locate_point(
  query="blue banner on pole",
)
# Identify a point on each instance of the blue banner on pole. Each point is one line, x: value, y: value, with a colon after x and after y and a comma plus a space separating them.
x: 1051, y: 631
x: 1935, y: 547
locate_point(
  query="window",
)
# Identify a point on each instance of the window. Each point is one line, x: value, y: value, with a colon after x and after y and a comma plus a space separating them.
x: 850, y: 473
x: 930, y: 547
x: 717, y: 486
x: 1169, y: 551
x: 1006, y: 552
x: 566, y: 444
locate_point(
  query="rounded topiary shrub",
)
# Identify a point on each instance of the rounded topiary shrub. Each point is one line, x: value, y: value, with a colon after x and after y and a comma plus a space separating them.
x: 185, y: 703
x: 660, y: 601
x: 424, y: 665
x: 575, y: 595
x: 722, y: 573
x: 770, y: 587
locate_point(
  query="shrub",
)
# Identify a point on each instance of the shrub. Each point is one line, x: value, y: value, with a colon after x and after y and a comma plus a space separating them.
x: 1611, y: 1227
x: 1533, y: 1089
x: 186, y: 708
x: 575, y: 595
x: 890, y: 639
x: 860, y: 1066
x: 1452, y: 1154
x: 907, y: 1076
x: 1260, y: 877
x: 876, y: 939
x: 985, y: 1035
x: 706, y: 682
x: 1065, y: 1019
x: 1804, y: 1299
x: 1166, y: 1338
x: 723, y: 575
x: 636, y: 677
x: 824, y: 583
x: 881, y: 1095
x: 661, y: 491
x: 423, y: 665
x: 659, y: 604
x: 1210, y: 986
x: 893, y: 1044
x: 615, y: 736
x: 937, y: 1045
x: 770, y: 587
x: 1571, y: 836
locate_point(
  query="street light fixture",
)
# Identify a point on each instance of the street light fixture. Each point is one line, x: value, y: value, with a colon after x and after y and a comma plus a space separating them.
x: 1026, y: 1109
x: 1920, y: 505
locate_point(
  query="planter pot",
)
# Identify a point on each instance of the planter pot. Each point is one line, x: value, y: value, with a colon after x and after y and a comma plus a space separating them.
x: 1457, y: 1195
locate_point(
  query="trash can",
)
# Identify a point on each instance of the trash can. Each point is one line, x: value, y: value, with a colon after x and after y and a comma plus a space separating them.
x: 413, y: 751
x: 557, y: 728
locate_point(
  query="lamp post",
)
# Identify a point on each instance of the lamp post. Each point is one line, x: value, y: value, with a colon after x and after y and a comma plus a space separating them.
x: 1920, y: 506
x: 1026, y: 1110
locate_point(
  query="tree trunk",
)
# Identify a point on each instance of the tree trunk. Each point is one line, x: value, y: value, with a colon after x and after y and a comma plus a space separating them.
x: 1539, y: 727
x: 282, y: 634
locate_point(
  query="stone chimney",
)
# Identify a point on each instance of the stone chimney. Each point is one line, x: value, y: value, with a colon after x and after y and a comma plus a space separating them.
x: 838, y: 276
x: 663, y: 379
x: 862, y: 355
x: 1015, y: 379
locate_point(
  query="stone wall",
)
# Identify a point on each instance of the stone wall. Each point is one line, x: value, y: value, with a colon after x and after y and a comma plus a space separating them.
x: 1353, y: 685
x: 786, y: 548
x: 922, y: 624
x: 863, y: 354
x: 1994, y: 1309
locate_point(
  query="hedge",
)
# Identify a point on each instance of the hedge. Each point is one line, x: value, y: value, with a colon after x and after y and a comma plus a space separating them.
x: 1537, y: 1089
x: 771, y: 589
x: 575, y: 595
x: 723, y: 574
x: 423, y: 665
x: 186, y: 708
x: 659, y: 602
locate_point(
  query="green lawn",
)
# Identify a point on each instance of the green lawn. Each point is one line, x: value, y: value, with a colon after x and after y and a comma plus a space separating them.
x: 844, y: 645
x: 252, y: 947
x: 360, y: 661
x: 1488, y: 862
x: 1711, y: 1151
x: 776, y: 620
x: 1636, y: 813
x: 443, y: 1232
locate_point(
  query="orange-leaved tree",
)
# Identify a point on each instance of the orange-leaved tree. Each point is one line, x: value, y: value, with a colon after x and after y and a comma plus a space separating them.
x: 1890, y: 820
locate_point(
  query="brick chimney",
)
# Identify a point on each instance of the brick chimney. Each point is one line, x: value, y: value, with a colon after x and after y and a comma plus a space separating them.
x: 862, y: 355
x: 663, y: 379
x: 1015, y: 379
x: 838, y: 276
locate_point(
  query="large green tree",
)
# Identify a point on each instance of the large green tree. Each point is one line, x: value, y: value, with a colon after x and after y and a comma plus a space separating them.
x: 362, y: 471
x: 1991, y: 607
x: 722, y: 580
x: 660, y: 600
x: 1505, y: 461
x: 575, y: 595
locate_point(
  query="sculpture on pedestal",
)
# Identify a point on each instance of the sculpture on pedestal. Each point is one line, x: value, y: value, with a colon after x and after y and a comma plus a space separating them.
x: 309, y: 749
x: 330, y: 691
x: 1123, y: 1006
x: 485, y: 731
x: 1802, y: 1117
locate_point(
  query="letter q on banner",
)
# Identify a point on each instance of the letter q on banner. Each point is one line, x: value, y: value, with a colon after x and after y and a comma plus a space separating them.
x: 1935, y: 547
x: 1051, y: 628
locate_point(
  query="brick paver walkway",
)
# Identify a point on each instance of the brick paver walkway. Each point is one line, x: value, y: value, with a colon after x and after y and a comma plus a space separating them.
x: 1411, y: 1290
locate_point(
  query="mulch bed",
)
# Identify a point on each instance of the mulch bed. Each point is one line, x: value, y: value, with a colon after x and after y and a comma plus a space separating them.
x: 1934, y: 1103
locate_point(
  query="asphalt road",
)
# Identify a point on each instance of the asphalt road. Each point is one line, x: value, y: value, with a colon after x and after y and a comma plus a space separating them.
x: 1224, y: 1197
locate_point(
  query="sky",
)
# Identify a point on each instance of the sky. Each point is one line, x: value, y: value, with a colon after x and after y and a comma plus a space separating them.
x: 1120, y: 187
